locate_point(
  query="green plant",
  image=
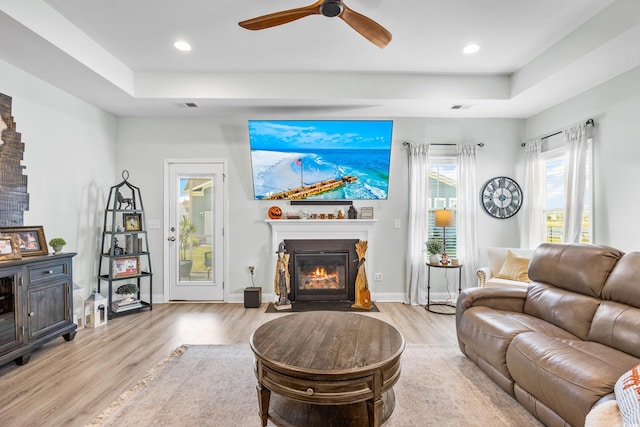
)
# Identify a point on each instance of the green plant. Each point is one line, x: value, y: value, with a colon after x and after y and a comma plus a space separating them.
x: 187, y: 231
x: 129, y: 288
x: 57, y: 241
x: 435, y: 246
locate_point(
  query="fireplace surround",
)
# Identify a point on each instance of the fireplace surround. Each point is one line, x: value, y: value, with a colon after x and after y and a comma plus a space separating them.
x: 324, y: 231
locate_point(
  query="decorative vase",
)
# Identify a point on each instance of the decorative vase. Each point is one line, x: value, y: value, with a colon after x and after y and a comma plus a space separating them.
x: 434, y: 259
x: 57, y: 249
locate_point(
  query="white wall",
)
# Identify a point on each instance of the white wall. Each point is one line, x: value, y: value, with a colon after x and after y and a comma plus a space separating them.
x: 91, y: 149
x: 145, y: 143
x: 70, y: 162
x: 615, y: 107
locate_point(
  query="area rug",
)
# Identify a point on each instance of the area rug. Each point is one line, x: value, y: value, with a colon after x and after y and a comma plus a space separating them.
x: 208, y: 385
x: 303, y: 306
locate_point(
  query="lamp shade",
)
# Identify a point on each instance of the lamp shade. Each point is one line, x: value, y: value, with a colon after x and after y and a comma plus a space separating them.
x: 444, y: 218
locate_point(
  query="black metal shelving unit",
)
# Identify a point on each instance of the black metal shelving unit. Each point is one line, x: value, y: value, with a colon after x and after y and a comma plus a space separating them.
x: 132, y: 263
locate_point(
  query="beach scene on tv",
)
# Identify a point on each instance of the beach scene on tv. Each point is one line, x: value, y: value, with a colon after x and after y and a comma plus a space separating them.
x: 324, y: 159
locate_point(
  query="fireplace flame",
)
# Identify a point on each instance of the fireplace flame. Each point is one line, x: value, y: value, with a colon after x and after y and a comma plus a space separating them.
x: 320, y: 272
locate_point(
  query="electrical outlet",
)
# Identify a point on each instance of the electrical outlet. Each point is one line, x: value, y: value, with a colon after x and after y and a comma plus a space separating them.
x: 251, y: 269
x: 377, y: 276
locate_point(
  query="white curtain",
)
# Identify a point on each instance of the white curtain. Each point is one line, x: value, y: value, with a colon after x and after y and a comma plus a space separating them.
x: 531, y: 231
x: 467, y: 213
x: 417, y: 233
x: 576, y: 149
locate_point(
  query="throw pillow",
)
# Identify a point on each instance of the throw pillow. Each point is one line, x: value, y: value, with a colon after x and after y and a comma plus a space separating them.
x: 604, y: 414
x: 514, y: 268
x: 627, y: 390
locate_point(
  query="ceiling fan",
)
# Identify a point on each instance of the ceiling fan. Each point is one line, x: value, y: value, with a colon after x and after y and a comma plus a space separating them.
x: 367, y: 27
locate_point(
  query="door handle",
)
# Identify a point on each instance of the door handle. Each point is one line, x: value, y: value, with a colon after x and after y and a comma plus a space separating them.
x: 171, y: 239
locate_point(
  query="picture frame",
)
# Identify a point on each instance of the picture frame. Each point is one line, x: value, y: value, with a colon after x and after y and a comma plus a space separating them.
x: 126, y: 266
x: 31, y: 239
x: 366, y: 213
x: 132, y: 221
x: 9, y: 247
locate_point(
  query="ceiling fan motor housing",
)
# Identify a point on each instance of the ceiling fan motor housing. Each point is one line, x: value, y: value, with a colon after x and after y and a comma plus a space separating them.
x: 331, y: 8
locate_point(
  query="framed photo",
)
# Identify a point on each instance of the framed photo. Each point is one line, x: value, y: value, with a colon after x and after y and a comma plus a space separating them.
x: 125, y: 267
x: 366, y: 213
x: 31, y: 239
x: 9, y: 247
x: 132, y: 221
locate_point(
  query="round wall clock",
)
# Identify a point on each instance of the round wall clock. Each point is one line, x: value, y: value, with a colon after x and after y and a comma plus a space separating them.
x: 501, y: 197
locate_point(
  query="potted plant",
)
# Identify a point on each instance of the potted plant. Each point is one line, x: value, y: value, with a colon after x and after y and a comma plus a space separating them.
x: 187, y: 231
x: 57, y: 243
x: 434, y: 248
x: 127, y: 290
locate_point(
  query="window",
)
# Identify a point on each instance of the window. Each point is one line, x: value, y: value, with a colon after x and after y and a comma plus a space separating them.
x: 553, y: 213
x: 443, y: 188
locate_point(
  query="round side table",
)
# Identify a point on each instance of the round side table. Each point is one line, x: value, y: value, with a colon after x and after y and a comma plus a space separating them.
x: 429, y: 302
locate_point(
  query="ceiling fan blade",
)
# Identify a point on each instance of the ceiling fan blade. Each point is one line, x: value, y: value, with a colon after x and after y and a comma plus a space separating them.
x: 369, y: 28
x: 279, y: 18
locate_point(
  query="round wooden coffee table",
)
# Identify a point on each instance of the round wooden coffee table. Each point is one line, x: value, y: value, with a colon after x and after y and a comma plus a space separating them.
x: 328, y: 359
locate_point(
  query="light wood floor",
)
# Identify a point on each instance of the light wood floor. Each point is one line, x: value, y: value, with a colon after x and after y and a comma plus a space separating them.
x: 69, y: 383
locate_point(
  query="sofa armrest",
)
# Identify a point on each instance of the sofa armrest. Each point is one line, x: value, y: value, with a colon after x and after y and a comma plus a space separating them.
x: 483, y: 274
x: 506, y: 299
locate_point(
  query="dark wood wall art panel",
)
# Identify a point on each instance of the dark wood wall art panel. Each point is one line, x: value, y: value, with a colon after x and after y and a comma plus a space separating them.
x: 14, y: 198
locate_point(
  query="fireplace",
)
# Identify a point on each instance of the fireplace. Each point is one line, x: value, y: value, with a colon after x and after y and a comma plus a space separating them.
x: 322, y: 270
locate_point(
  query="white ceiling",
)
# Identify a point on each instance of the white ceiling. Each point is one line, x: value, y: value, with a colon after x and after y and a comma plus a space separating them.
x: 119, y: 55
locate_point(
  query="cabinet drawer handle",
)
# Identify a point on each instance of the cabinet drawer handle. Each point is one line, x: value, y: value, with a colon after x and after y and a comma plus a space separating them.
x: 310, y: 391
x: 50, y: 271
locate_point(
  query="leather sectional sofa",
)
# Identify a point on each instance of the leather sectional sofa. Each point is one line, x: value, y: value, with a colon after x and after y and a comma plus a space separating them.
x: 558, y: 346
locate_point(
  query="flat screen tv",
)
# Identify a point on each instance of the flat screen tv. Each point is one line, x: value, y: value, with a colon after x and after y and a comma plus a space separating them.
x: 320, y: 159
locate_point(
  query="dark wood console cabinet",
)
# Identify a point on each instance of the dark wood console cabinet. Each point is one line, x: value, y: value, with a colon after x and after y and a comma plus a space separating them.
x: 36, y: 304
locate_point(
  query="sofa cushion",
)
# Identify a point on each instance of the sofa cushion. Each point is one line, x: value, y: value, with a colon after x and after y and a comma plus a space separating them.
x: 627, y: 391
x: 579, y: 268
x: 568, y: 310
x: 488, y: 332
x: 616, y: 325
x: 551, y: 369
x: 514, y: 268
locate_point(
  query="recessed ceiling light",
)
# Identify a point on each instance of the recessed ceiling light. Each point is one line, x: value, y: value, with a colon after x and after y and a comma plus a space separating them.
x: 182, y: 45
x: 471, y: 48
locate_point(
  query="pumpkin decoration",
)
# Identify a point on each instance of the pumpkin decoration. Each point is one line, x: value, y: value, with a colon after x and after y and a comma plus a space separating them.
x: 275, y: 212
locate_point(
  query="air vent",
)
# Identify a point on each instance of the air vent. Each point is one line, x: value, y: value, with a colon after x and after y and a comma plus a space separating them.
x: 460, y: 107
x: 191, y: 104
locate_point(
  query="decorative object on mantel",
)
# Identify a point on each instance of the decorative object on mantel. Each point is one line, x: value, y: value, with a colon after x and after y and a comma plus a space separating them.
x: 275, y: 212
x: 366, y: 213
x: 32, y: 240
x: 352, y: 213
x: 57, y: 244
x: 363, y: 296
x: 14, y: 198
x: 282, y: 282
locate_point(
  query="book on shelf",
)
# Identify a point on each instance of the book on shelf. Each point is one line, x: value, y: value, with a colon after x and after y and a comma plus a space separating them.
x: 125, y: 302
x: 119, y: 308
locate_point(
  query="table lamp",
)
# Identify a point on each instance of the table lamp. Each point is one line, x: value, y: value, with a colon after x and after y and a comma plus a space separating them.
x: 444, y: 218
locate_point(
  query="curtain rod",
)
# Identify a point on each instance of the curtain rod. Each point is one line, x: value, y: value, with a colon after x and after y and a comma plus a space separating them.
x: 587, y: 123
x: 406, y: 144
